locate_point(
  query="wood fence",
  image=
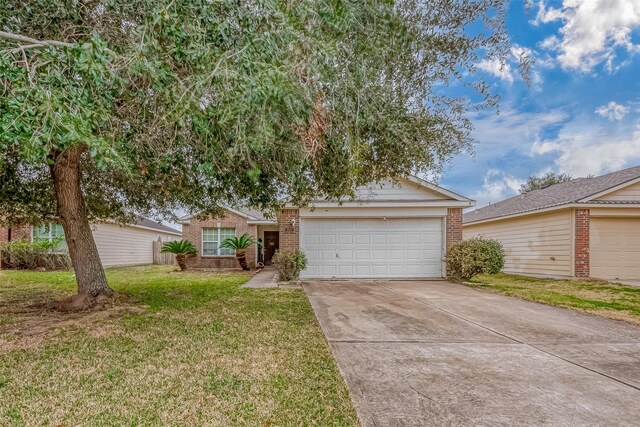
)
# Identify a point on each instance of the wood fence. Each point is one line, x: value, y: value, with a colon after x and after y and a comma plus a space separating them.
x: 162, y: 258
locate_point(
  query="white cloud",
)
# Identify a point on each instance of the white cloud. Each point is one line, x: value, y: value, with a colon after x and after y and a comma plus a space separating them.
x: 593, y: 31
x: 508, y: 71
x: 512, y: 129
x: 545, y: 15
x: 496, y: 186
x: 496, y: 69
x: 612, y: 111
x: 583, y: 150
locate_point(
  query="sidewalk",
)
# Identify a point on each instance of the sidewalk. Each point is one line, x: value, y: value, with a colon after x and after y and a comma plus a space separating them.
x: 266, y: 278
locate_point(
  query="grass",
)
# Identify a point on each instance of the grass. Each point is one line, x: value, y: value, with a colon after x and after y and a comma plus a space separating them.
x: 612, y: 300
x: 177, y: 349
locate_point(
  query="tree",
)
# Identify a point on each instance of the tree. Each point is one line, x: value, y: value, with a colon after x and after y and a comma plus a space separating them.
x: 116, y: 108
x: 240, y: 245
x: 544, y: 181
x: 182, y: 249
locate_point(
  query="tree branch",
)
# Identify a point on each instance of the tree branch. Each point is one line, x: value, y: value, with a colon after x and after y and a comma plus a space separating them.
x: 33, y: 42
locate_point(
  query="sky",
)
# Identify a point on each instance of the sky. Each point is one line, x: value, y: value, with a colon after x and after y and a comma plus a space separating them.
x: 581, y: 113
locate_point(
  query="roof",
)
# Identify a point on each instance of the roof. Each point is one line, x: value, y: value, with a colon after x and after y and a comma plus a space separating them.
x: 251, y: 215
x: 147, y: 223
x: 453, y: 199
x: 579, y: 190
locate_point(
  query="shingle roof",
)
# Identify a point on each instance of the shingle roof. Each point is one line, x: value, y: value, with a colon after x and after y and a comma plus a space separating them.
x: 253, y: 214
x: 555, y: 195
x: 146, y: 222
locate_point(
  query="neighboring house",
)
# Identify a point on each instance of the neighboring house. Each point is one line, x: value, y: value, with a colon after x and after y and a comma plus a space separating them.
x: 586, y: 227
x: 388, y: 231
x: 117, y: 245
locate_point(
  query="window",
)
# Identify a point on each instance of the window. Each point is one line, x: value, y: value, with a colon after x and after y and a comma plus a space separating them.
x: 212, y: 238
x: 49, y: 231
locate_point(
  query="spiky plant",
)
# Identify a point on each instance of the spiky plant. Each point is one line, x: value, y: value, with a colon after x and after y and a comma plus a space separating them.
x: 182, y: 249
x: 240, y: 244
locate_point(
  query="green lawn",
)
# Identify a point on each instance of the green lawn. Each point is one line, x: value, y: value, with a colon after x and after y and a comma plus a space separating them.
x: 177, y: 349
x: 606, y: 299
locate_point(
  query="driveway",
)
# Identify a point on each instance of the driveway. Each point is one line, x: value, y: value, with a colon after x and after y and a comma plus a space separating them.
x: 422, y: 353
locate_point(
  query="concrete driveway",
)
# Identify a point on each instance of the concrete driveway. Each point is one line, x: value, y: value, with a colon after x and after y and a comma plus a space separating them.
x: 418, y: 353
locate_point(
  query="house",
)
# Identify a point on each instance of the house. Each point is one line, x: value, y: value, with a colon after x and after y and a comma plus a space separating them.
x: 389, y: 230
x: 586, y: 227
x: 117, y: 245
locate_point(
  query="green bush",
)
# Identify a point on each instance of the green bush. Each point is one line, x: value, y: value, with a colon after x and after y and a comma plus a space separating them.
x: 289, y: 264
x: 474, y: 256
x: 41, y: 253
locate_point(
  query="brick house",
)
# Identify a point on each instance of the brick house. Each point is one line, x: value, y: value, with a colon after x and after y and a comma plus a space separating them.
x: 586, y: 227
x: 390, y: 230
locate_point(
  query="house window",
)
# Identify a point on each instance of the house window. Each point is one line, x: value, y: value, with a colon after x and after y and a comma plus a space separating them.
x: 212, y: 238
x: 49, y: 232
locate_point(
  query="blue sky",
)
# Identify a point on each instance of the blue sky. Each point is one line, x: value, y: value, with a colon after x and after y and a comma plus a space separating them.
x: 581, y: 114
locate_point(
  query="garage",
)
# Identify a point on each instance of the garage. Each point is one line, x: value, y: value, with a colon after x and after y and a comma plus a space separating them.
x: 615, y: 248
x: 372, y: 247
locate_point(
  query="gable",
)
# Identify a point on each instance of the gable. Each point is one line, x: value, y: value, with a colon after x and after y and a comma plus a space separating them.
x: 402, y: 190
x: 629, y: 193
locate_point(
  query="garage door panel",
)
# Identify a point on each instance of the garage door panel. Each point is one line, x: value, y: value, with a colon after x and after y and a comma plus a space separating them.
x: 615, y: 248
x: 395, y: 239
x: 396, y: 254
x: 345, y: 239
x: 359, y: 247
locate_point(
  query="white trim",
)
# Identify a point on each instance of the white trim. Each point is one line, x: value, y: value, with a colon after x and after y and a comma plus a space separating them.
x: 262, y: 222
x: 554, y: 208
x: 455, y: 196
x: 387, y: 204
x: 610, y: 190
x: 250, y: 219
x: 219, y: 242
x: 175, y: 233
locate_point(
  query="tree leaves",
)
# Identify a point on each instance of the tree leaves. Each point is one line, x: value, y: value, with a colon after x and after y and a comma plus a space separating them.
x: 189, y: 104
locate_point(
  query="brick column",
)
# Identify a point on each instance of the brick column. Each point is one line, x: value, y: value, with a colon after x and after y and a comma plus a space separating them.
x: 289, y: 228
x: 4, y: 234
x: 454, y: 226
x: 581, y: 242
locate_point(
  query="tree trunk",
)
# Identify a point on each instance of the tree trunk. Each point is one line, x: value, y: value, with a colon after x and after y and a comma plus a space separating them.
x: 181, y: 259
x: 66, y: 175
x: 241, y: 256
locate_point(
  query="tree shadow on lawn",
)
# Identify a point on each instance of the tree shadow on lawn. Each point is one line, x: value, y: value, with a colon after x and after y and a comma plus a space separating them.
x: 28, y: 318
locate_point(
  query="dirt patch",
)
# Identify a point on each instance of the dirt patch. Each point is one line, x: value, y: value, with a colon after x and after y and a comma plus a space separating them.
x: 34, y: 322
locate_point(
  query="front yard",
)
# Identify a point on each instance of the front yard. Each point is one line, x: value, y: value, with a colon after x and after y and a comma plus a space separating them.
x: 612, y: 300
x: 177, y: 349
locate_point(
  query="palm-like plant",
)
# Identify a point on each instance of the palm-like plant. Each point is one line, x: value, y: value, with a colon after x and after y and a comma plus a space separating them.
x: 240, y: 244
x: 181, y: 248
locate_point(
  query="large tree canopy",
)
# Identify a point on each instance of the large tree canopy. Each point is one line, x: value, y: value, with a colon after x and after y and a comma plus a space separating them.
x: 544, y: 181
x: 110, y: 108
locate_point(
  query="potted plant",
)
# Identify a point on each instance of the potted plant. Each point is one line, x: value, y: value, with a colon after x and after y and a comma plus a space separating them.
x: 240, y: 244
x: 182, y: 249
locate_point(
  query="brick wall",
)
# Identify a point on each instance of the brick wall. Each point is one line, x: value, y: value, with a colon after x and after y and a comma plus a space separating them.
x: 193, y: 232
x: 454, y: 226
x: 581, y: 243
x: 18, y: 232
x: 289, y: 233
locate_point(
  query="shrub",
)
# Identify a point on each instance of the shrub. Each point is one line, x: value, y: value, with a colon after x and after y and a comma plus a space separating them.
x: 181, y: 249
x: 474, y: 256
x: 41, y: 253
x: 289, y: 264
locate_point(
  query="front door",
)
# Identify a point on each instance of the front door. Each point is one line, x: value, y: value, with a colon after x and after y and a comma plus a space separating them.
x: 271, y: 245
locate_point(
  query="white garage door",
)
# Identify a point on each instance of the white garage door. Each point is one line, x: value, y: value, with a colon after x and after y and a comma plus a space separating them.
x: 372, y: 247
x: 615, y: 248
